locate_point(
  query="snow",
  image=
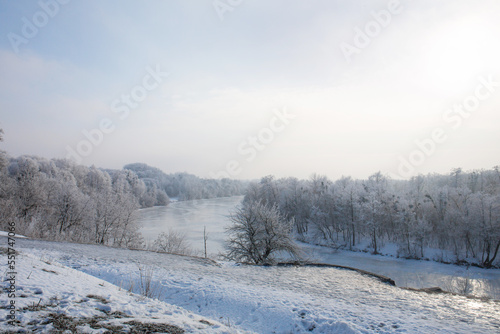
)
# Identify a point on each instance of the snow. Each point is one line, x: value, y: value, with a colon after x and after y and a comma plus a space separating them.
x: 46, y: 287
x: 414, y: 273
x: 234, y: 298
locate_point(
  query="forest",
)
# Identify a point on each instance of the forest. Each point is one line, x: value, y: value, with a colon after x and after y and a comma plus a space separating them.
x: 59, y: 200
x: 448, y: 218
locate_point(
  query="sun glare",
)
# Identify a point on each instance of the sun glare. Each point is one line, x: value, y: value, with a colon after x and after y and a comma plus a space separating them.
x: 457, y: 53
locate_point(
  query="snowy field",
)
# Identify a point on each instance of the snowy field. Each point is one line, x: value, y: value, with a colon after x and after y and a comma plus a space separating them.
x: 201, y: 296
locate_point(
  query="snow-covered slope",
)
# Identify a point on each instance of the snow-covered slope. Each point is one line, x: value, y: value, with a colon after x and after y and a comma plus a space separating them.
x: 51, y: 297
x: 246, y: 298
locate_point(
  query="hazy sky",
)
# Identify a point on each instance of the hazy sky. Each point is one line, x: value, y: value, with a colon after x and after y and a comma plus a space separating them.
x: 250, y: 88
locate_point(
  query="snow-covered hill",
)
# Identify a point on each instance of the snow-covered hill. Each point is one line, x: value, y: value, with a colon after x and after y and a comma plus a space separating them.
x: 52, y: 298
x: 202, y: 296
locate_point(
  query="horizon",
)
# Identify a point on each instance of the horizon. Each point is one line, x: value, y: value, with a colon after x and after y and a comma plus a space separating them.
x: 247, y: 89
x: 257, y: 179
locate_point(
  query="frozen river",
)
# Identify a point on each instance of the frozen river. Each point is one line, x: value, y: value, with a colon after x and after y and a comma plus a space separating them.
x: 191, y: 217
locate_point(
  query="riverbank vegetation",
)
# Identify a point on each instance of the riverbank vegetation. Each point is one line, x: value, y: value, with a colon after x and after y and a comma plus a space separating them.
x: 457, y: 216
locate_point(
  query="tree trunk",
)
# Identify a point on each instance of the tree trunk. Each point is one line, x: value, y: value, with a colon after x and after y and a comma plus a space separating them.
x: 489, y: 262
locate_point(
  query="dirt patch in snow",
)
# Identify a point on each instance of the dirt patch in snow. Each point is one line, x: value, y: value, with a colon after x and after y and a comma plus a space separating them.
x: 62, y: 323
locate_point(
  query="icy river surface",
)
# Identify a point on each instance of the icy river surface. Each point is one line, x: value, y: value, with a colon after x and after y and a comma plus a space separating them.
x: 191, y: 217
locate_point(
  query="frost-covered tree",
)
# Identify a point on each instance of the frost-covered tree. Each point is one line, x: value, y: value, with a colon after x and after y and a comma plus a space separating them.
x: 8, y: 208
x: 70, y: 208
x: 3, y: 154
x: 172, y: 242
x: 58, y: 200
x: 377, y: 208
x: 349, y: 208
x: 30, y: 191
x: 258, y: 234
x: 294, y: 203
x: 458, y: 213
x: 182, y: 186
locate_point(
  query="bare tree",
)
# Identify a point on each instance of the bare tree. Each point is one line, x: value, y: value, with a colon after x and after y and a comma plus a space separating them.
x: 258, y: 233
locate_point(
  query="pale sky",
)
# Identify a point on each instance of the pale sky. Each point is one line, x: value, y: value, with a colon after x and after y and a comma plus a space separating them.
x: 196, y: 86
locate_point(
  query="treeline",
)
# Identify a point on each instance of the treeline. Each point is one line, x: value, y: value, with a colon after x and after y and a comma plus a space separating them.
x: 183, y: 186
x: 453, y: 217
x: 60, y: 200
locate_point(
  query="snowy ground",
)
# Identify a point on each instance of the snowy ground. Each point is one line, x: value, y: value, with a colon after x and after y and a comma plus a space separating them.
x: 51, y: 297
x: 242, y: 298
x: 475, y: 281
